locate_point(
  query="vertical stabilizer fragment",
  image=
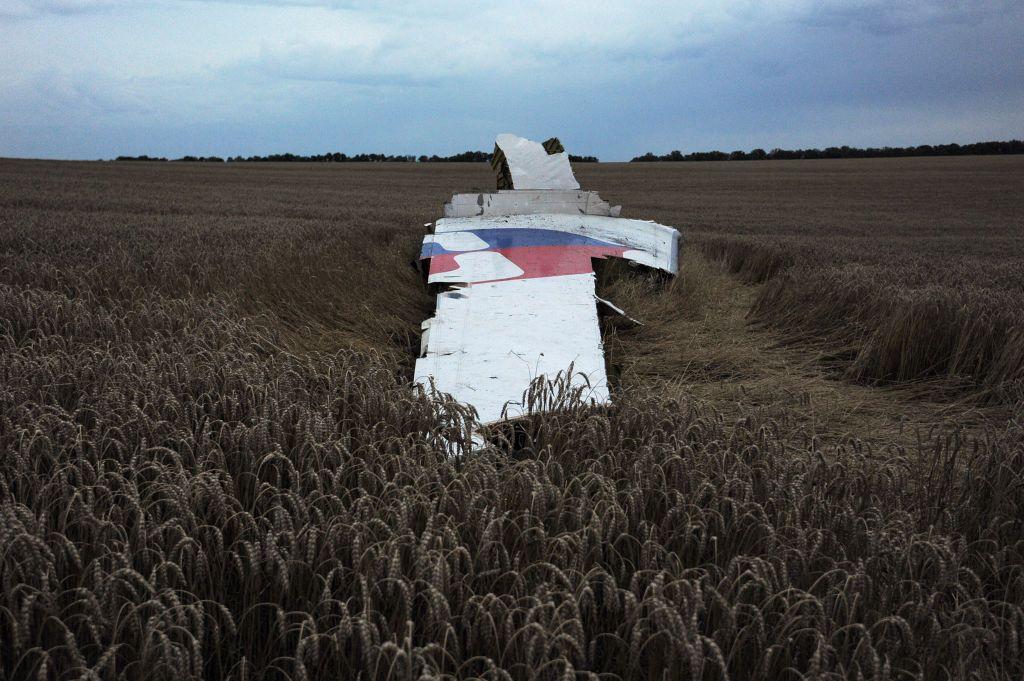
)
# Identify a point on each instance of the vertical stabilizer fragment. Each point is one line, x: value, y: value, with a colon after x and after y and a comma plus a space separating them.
x: 520, y: 163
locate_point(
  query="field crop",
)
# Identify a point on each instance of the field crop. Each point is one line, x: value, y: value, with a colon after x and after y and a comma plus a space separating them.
x: 896, y: 269
x: 213, y: 465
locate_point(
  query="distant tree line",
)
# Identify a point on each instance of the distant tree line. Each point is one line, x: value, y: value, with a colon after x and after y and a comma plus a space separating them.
x: 464, y: 157
x: 330, y: 157
x: 338, y: 157
x: 202, y: 159
x: 335, y: 157
x: 976, y: 149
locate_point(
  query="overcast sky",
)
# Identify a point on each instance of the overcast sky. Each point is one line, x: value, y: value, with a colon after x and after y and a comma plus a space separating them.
x: 98, y: 78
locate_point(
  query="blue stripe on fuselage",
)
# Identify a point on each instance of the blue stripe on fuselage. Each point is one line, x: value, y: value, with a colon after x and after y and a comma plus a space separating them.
x: 516, y: 237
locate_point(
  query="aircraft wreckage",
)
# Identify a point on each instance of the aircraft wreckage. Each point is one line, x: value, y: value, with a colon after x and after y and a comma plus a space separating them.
x: 517, y: 280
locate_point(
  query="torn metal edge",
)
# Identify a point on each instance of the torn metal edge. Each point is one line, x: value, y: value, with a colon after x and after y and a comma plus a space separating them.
x: 649, y: 244
x: 528, y: 201
x: 520, y: 163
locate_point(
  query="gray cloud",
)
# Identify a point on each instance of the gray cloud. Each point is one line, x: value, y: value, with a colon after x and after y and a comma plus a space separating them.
x: 56, y: 97
x: 887, y: 17
x: 191, y: 76
x: 20, y: 9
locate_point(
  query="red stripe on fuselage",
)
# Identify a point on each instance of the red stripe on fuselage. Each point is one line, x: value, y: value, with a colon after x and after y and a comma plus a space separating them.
x: 538, y: 261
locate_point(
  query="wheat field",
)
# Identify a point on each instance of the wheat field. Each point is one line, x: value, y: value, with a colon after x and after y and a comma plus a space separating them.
x: 214, y: 467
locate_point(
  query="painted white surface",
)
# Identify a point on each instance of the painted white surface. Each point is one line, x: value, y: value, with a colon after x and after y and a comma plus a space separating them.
x: 650, y: 243
x: 493, y: 334
x: 477, y: 266
x: 525, y: 202
x: 488, y: 341
x: 534, y: 168
x: 456, y: 241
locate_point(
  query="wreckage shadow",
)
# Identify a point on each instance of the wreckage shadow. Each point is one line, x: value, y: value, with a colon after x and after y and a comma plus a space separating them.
x: 614, y: 314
